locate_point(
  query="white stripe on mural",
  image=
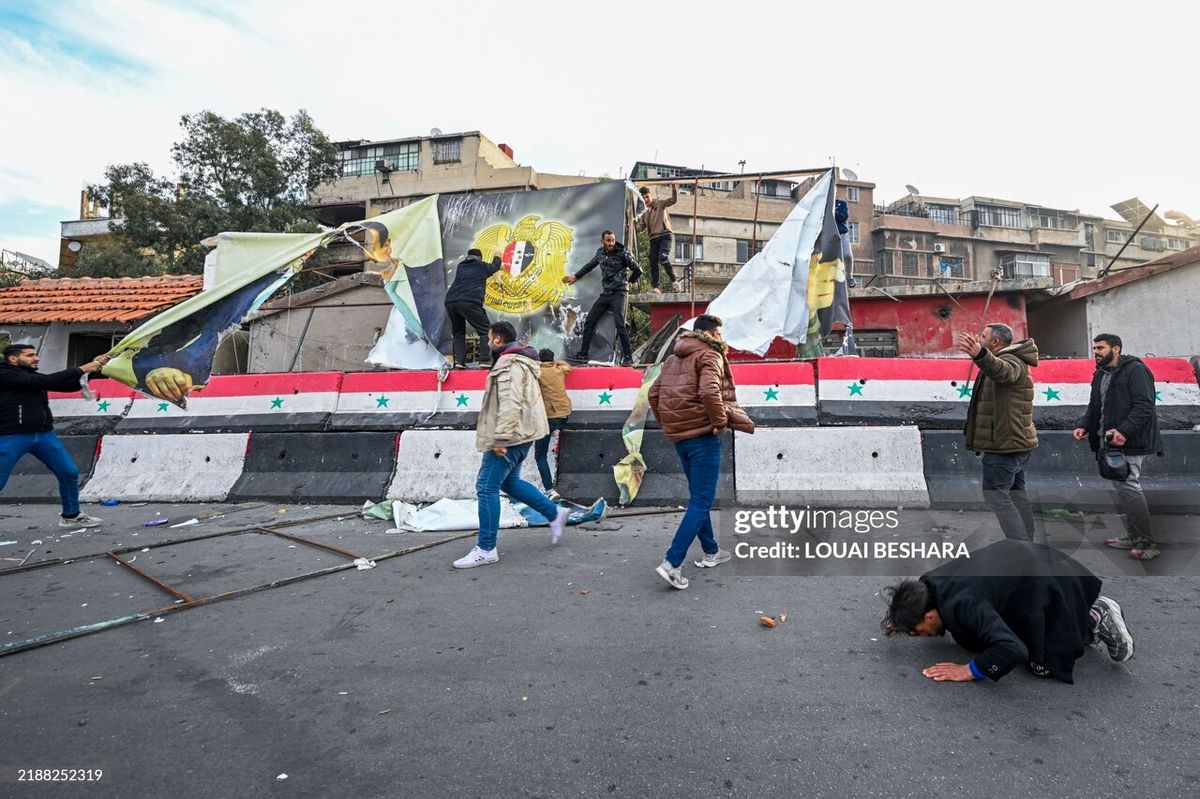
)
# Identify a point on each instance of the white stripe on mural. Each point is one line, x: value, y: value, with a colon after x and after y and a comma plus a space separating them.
x: 62, y: 408
x: 198, y: 405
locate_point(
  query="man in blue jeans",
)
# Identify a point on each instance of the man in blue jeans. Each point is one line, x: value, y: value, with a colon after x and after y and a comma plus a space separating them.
x: 511, y: 418
x: 695, y: 401
x: 27, y: 427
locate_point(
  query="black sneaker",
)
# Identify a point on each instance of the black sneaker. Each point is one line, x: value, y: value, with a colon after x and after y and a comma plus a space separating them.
x: 1111, y: 629
x: 627, y: 361
x: 579, y: 357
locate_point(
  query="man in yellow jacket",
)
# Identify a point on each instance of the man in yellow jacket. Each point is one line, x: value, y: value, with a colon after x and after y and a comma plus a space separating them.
x: 511, y: 418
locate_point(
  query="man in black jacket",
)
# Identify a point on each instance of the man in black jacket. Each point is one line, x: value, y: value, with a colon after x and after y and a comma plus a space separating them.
x: 1121, y: 413
x: 1012, y: 602
x: 26, y: 425
x: 614, y: 261
x: 464, y: 302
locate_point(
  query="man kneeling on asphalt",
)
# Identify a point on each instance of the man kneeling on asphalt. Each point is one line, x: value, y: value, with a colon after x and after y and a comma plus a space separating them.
x: 511, y: 418
x: 1012, y: 602
x: 695, y: 401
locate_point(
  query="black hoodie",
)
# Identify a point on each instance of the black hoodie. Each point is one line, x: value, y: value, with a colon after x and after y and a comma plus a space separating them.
x: 1128, y: 407
x: 24, y: 402
x: 470, y: 280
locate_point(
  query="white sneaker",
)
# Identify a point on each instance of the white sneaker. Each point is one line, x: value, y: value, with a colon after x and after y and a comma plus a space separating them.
x: 553, y: 495
x: 556, y: 526
x: 477, y: 557
x: 82, y: 520
x: 672, y: 574
x: 715, y: 559
x: 675, y: 287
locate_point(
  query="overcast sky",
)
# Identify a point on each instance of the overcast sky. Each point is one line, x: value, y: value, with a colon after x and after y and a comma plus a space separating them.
x: 1071, y: 105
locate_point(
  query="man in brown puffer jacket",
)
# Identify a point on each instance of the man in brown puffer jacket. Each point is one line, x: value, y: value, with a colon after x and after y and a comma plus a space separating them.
x: 695, y: 401
x: 1000, y: 422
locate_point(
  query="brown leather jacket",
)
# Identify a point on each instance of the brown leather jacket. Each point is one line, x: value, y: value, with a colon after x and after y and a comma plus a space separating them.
x: 694, y: 395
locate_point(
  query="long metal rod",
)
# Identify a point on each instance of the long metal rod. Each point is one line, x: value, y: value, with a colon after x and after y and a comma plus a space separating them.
x: 53, y: 638
x: 39, y: 564
x: 311, y: 543
x: 982, y: 319
x: 754, y: 233
x: 1132, y: 236
x: 734, y: 176
x: 175, y: 592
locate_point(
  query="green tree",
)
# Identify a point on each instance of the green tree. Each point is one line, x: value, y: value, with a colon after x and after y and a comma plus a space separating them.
x: 251, y: 173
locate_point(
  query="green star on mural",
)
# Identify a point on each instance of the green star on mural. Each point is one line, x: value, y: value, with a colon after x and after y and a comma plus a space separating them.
x: 855, y: 388
x: 964, y: 391
x: 381, y: 402
x: 1158, y: 396
x: 605, y: 398
x: 462, y: 401
x: 771, y: 394
x: 1051, y: 394
x: 102, y: 406
x: 277, y: 402
x: 162, y: 407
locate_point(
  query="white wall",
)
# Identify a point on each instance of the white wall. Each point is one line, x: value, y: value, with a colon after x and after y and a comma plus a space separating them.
x: 1157, y: 315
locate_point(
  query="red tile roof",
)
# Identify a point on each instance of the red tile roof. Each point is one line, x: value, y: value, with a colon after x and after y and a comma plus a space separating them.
x: 89, y: 299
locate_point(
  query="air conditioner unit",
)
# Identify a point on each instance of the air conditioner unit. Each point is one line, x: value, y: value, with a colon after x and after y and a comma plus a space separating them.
x: 939, y: 248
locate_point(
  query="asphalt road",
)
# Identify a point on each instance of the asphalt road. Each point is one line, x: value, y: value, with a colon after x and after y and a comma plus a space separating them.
x: 414, y: 680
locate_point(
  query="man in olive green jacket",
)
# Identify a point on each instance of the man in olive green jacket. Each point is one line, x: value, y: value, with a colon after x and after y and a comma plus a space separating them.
x: 1000, y: 422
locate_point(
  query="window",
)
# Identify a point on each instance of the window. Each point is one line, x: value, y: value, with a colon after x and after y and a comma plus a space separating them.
x: 721, y: 185
x: 83, y: 347
x: 447, y: 151
x: 1025, y: 264
x: 852, y: 194
x: 853, y: 233
x: 402, y: 157
x: 949, y: 266
x: 773, y: 188
x: 943, y: 214
x: 1051, y: 219
x: 743, y: 249
x: 1177, y: 244
x: 908, y: 264
x: 883, y: 263
x: 1089, y: 235
x: 999, y: 216
x: 683, y: 249
x: 1115, y: 236
x: 1151, y: 243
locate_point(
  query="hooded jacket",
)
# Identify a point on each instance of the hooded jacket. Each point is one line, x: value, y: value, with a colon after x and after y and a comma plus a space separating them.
x: 612, y: 268
x: 655, y: 220
x: 1016, y: 602
x: 1128, y: 407
x: 1000, y: 416
x: 552, y: 379
x: 470, y: 280
x: 512, y: 412
x: 24, y: 398
x: 694, y: 394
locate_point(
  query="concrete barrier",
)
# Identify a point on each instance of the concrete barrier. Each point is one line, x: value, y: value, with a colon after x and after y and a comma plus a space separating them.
x: 31, y: 481
x: 323, y: 467
x: 1062, y: 473
x: 437, y: 464
x: 241, y: 403
x: 75, y: 416
x: 587, y: 457
x: 860, y: 467
x: 167, y: 468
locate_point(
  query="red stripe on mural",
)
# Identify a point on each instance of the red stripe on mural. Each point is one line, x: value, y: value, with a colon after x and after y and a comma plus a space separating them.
x: 272, y: 384
x: 423, y: 380
x: 604, y: 378
x: 103, y: 389
x: 892, y: 368
x: 797, y: 373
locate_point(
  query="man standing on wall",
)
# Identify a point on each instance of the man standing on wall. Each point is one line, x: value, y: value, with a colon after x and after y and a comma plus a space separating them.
x: 695, y: 402
x: 464, y: 302
x: 1121, y: 413
x: 26, y: 425
x: 657, y: 224
x: 614, y: 261
x: 1000, y: 422
x: 511, y: 418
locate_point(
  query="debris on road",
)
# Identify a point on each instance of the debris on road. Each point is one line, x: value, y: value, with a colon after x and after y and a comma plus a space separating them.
x: 767, y: 621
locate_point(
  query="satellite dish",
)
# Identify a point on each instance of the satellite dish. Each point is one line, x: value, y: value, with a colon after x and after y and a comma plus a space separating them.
x: 435, y: 132
x: 911, y: 189
x: 74, y: 246
x: 849, y: 174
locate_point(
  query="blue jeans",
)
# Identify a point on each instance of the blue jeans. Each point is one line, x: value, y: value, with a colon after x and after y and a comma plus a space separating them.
x: 701, y: 459
x: 49, y: 450
x: 541, y: 452
x: 498, y: 474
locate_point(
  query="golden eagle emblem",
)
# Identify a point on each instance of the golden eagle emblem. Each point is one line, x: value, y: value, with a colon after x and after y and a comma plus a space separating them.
x: 534, y: 258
